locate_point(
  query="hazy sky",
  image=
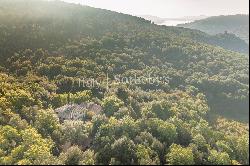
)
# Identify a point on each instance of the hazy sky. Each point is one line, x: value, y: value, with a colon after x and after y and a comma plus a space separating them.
x: 171, y: 8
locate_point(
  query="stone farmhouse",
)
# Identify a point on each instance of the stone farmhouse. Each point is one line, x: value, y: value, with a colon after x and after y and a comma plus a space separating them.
x: 77, y: 111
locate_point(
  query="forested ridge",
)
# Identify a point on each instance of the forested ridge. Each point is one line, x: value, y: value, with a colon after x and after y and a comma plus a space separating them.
x: 236, y: 24
x: 199, y: 116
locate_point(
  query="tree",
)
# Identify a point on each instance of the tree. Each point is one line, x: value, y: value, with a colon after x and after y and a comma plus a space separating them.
x: 219, y: 158
x: 163, y: 130
x: 97, y: 122
x: 146, y: 156
x: 180, y: 156
x: 88, y: 158
x: 161, y: 110
x: 223, y: 146
x: 76, y: 133
x: 242, y: 149
x: 59, y: 100
x: 200, y: 141
x: 111, y: 105
x: 46, y: 122
x: 124, y: 151
x: 24, y: 146
x: 81, y: 97
x: 73, y: 156
x: 9, y: 138
x: 35, y: 147
x: 19, y: 96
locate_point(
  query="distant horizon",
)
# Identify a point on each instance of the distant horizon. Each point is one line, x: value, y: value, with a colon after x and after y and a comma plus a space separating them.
x: 171, y: 8
x: 194, y: 16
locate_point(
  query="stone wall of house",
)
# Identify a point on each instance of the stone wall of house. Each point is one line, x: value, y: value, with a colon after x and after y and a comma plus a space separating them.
x: 77, y: 111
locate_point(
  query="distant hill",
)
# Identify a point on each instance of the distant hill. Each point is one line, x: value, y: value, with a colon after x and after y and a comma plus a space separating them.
x: 225, y: 40
x: 172, y: 21
x: 236, y: 24
x: 155, y: 19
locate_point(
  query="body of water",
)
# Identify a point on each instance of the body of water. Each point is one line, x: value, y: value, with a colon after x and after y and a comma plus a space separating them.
x: 174, y: 22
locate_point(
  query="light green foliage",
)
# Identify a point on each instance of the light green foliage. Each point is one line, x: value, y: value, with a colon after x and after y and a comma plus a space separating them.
x: 73, y: 156
x: 180, y: 156
x: 200, y: 141
x: 223, y: 146
x: 81, y: 97
x: 219, y: 158
x: 46, y: 122
x: 88, y: 158
x: 145, y: 156
x: 26, y: 146
x: 242, y: 149
x: 164, y: 131
x: 47, y: 46
x: 9, y: 137
x: 66, y: 98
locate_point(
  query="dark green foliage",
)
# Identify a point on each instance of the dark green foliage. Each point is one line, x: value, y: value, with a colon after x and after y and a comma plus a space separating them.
x: 53, y: 54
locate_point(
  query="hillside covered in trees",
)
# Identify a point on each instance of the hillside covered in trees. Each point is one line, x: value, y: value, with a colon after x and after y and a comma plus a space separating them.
x: 191, y: 108
x: 235, y: 24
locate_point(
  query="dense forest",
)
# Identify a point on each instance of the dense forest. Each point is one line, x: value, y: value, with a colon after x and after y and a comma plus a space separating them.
x: 236, y: 24
x: 195, y: 111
